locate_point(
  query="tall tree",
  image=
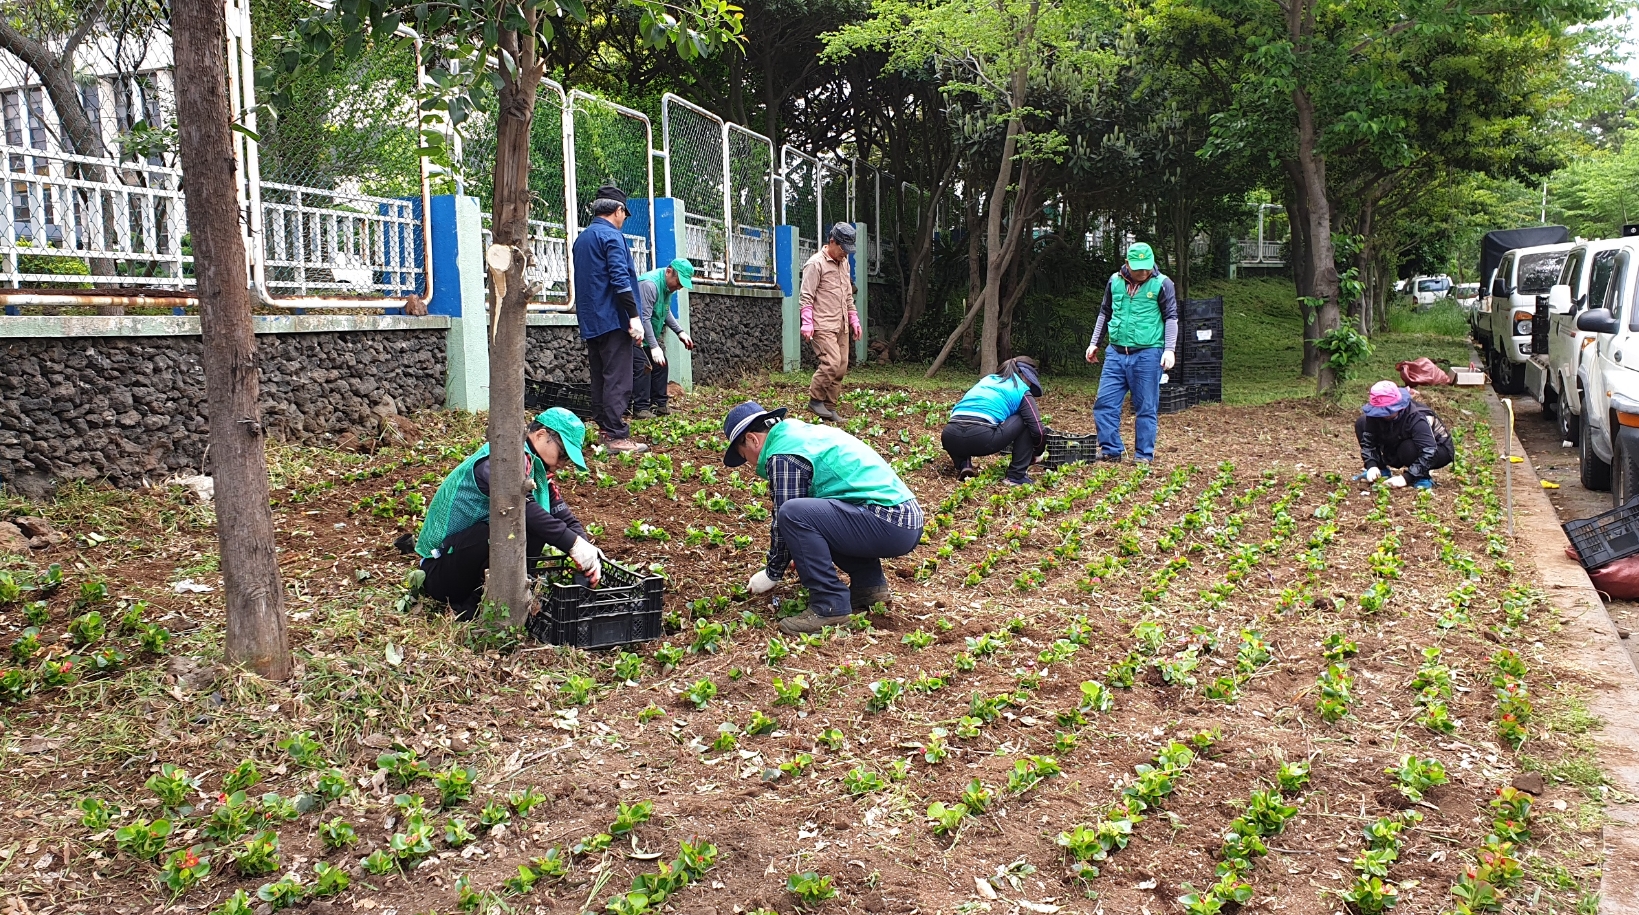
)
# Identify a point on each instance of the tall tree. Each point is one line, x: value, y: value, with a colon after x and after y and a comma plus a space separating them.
x: 244, y: 517
x: 491, y: 55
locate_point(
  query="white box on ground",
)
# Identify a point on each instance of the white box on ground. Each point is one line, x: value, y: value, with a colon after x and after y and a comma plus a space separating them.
x: 1467, y: 377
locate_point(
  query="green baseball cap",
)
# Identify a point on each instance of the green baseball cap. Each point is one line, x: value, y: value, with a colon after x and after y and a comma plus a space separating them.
x: 685, y: 271
x: 1140, y: 257
x: 571, y: 431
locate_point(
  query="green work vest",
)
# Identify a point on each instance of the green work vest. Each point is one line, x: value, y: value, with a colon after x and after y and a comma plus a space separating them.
x: 662, y: 300
x: 459, y: 503
x: 845, y: 468
x: 1135, y: 320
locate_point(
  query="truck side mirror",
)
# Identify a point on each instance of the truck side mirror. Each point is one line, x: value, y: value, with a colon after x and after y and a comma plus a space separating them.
x: 1559, y: 299
x: 1596, y: 321
x: 1499, y: 288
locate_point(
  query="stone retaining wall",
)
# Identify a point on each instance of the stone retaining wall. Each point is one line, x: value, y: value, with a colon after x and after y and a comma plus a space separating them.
x: 734, y: 336
x: 126, y: 408
x: 555, y: 353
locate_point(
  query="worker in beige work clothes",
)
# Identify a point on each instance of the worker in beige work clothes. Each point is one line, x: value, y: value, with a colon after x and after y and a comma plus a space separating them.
x: 829, y: 321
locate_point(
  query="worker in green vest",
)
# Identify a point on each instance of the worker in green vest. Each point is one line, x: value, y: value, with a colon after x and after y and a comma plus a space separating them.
x: 654, y: 296
x: 454, y: 541
x: 837, y: 505
x: 1139, y: 322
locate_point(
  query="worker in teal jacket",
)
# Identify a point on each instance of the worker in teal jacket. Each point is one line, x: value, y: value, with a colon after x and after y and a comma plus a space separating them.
x: 454, y: 540
x: 997, y: 414
x: 837, y: 505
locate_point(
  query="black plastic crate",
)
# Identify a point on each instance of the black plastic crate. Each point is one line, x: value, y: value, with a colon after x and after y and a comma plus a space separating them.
x: 1202, y: 308
x: 1206, y: 393
x: 1202, y: 353
x: 1064, y: 448
x: 572, y: 396
x: 624, y: 609
x: 1190, y: 373
x: 1201, y: 333
x: 1174, y: 398
x: 1607, y: 537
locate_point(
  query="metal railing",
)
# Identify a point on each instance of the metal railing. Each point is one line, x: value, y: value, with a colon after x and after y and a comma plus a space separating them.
x: 1249, y: 252
x: 71, y: 220
x: 325, y: 241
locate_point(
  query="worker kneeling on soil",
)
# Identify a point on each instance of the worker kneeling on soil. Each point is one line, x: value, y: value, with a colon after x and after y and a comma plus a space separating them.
x: 1395, y: 430
x: 994, y: 415
x: 454, y: 541
x: 837, y: 505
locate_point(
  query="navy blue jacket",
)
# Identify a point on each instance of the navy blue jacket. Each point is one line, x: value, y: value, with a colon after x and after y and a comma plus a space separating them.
x: 603, y: 270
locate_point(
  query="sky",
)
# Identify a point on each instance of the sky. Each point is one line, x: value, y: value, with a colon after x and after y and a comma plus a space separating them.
x: 1630, y: 47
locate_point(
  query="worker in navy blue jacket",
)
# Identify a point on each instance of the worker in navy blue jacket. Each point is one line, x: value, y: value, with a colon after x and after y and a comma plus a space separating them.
x: 996, y: 414
x: 606, y: 306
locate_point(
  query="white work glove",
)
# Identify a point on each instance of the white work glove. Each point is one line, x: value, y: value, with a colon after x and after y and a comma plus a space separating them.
x: 1372, y: 473
x: 1397, y: 481
x: 634, y: 329
x: 686, y: 340
x: 588, y: 559
x: 762, y: 582
x: 1167, y: 360
x: 1092, y: 353
x: 657, y: 355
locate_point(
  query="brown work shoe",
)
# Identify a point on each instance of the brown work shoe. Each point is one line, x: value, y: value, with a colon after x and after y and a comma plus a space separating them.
x: 626, y: 446
x: 867, y: 598
x: 808, y: 621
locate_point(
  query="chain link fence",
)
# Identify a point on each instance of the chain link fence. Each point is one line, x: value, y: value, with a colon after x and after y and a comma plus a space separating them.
x: 549, y: 193
x: 612, y: 145
x: 695, y: 174
x: 750, y: 205
x: 836, y: 198
x: 800, y: 200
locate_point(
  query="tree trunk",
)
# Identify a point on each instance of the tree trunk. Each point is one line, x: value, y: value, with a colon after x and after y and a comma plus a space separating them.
x: 975, y: 272
x: 957, y: 334
x: 917, y: 277
x: 1322, y: 257
x: 1181, y: 225
x: 244, y: 519
x: 508, y: 579
x: 1297, y: 212
x: 989, y: 333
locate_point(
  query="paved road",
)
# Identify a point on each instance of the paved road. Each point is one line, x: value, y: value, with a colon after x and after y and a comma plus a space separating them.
x: 1556, y: 462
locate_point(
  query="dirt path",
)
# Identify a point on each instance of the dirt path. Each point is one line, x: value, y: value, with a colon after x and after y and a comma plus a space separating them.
x: 1558, y: 464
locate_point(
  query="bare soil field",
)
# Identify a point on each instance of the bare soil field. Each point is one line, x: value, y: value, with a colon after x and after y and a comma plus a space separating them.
x: 1233, y: 681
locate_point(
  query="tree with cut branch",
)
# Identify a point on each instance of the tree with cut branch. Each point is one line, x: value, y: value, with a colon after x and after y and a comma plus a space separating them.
x: 490, y: 55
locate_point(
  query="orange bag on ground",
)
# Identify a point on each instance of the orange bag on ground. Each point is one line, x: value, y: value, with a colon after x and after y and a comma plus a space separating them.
x: 1423, y: 371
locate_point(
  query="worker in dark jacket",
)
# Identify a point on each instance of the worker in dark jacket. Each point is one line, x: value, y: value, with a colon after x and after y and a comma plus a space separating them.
x: 837, y: 505
x: 1139, y: 322
x: 997, y: 414
x: 606, y: 308
x: 1397, y: 431
x: 454, y: 541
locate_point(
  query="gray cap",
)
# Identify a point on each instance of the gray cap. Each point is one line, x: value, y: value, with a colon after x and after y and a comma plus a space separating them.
x: 843, y: 234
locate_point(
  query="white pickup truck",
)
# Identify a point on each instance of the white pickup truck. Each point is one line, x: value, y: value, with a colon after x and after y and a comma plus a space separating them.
x: 1609, y: 451
x: 1558, y: 348
x: 1516, y: 267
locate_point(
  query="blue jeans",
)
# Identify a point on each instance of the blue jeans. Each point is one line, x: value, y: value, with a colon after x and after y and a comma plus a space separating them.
x: 1140, y: 375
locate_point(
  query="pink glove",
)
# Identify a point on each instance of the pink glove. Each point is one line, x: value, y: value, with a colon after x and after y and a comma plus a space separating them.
x: 853, y: 323
x: 808, y: 320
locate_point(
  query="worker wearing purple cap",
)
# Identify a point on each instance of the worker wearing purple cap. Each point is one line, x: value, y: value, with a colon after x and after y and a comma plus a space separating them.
x: 1396, y: 430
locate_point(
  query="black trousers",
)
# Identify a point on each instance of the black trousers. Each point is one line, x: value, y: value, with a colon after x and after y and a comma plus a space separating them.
x: 610, y: 359
x: 1406, y: 453
x: 648, y: 381
x: 965, y: 440
x: 456, y: 575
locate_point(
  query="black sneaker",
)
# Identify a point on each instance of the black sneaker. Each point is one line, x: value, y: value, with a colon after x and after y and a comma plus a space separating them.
x: 643, y: 414
x: 1111, y: 458
x: 662, y: 410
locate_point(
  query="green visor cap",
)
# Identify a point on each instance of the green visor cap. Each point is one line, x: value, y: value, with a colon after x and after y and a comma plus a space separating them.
x: 571, y: 431
x: 1140, y: 257
x: 685, y: 271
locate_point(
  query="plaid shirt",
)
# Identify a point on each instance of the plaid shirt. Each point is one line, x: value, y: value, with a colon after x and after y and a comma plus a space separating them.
x: 791, y: 477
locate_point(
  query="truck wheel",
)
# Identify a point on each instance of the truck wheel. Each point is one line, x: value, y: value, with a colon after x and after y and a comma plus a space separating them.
x: 1508, y: 377
x: 1624, y: 475
x: 1596, y: 474
x: 1569, y: 424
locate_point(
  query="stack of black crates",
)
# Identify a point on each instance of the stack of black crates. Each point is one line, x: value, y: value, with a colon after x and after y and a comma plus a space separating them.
x: 1201, y: 350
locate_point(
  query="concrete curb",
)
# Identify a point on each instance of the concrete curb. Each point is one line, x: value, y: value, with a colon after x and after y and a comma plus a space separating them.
x: 1598, y: 653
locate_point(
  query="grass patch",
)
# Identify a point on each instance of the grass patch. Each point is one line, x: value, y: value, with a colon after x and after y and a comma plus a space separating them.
x: 1444, y: 318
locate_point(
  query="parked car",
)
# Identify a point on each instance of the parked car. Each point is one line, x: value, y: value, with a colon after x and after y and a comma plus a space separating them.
x: 1609, y: 451
x: 1426, y: 290
x: 1518, y: 266
x: 1551, y: 374
x: 1467, y: 296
